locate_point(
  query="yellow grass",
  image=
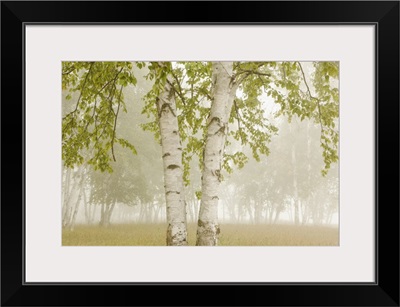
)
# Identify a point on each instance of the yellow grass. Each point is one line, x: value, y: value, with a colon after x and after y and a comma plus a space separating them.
x: 231, y: 235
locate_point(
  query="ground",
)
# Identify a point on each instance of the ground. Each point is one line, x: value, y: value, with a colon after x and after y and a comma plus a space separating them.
x: 231, y: 235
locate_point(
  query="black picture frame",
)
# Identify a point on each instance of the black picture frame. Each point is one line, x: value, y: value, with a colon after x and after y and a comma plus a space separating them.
x: 384, y: 15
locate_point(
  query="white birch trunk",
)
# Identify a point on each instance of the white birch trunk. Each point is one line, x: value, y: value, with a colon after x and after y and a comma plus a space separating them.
x: 77, y: 204
x: 90, y: 209
x: 173, y: 169
x: 71, y: 196
x: 223, y: 95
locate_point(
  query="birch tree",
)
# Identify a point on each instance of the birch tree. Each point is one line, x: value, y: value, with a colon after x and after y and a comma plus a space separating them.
x: 74, y: 185
x: 224, y: 91
x: 287, y: 84
x: 91, y: 126
x: 172, y: 159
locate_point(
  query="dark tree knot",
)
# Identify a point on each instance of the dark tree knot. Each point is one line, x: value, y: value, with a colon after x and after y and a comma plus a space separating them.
x: 170, y: 192
x: 173, y: 166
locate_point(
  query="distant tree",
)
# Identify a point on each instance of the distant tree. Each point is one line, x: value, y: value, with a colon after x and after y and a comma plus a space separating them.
x: 125, y: 185
x: 73, y: 191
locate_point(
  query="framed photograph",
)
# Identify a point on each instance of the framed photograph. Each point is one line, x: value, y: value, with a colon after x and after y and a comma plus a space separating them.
x: 238, y: 153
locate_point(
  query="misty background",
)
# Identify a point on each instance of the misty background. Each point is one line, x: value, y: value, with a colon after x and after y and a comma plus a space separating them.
x: 284, y: 187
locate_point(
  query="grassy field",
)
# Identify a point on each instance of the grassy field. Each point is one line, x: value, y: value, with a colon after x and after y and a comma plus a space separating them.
x: 231, y: 235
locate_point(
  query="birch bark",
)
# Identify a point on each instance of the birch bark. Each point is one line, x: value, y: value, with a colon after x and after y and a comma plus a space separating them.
x: 217, y: 129
x: 173, y: 169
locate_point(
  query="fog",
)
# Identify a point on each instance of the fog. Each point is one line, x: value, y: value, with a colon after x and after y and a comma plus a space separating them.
x: 284, y: 187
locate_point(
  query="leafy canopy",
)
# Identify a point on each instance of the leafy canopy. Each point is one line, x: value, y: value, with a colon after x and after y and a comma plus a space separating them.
x: 89, y: 129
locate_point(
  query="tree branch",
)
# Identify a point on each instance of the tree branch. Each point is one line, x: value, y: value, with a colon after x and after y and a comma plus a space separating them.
x: 81, y: 91
x: 179, y: 91
x: 240, y: 81
x: 312, y: 97
x: 115, y: 123
x: 205, y: 94
x: 238, y: 118
x: 69, y: 71
x: 253, y: 72
x: 109, y: 98
x: 249, y: 72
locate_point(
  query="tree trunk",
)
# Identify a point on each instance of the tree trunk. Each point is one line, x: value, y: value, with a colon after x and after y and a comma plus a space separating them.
x: 329, y: 215
x: 71, y: 196
x: 217, y: 123
x: 82, y: 192
x: 295, y: 189
x: 110, y: 211
x: 65, y: 195
x: 106, y: 212
x: 257, y: 212
x: 173, y: 169
x: 278, y: 212
x: 306, y: 212
x: 270, y: 212
x: 142, y: 212
x: 102, y: 215
x: 76, y: 208
x: 90, y: 209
